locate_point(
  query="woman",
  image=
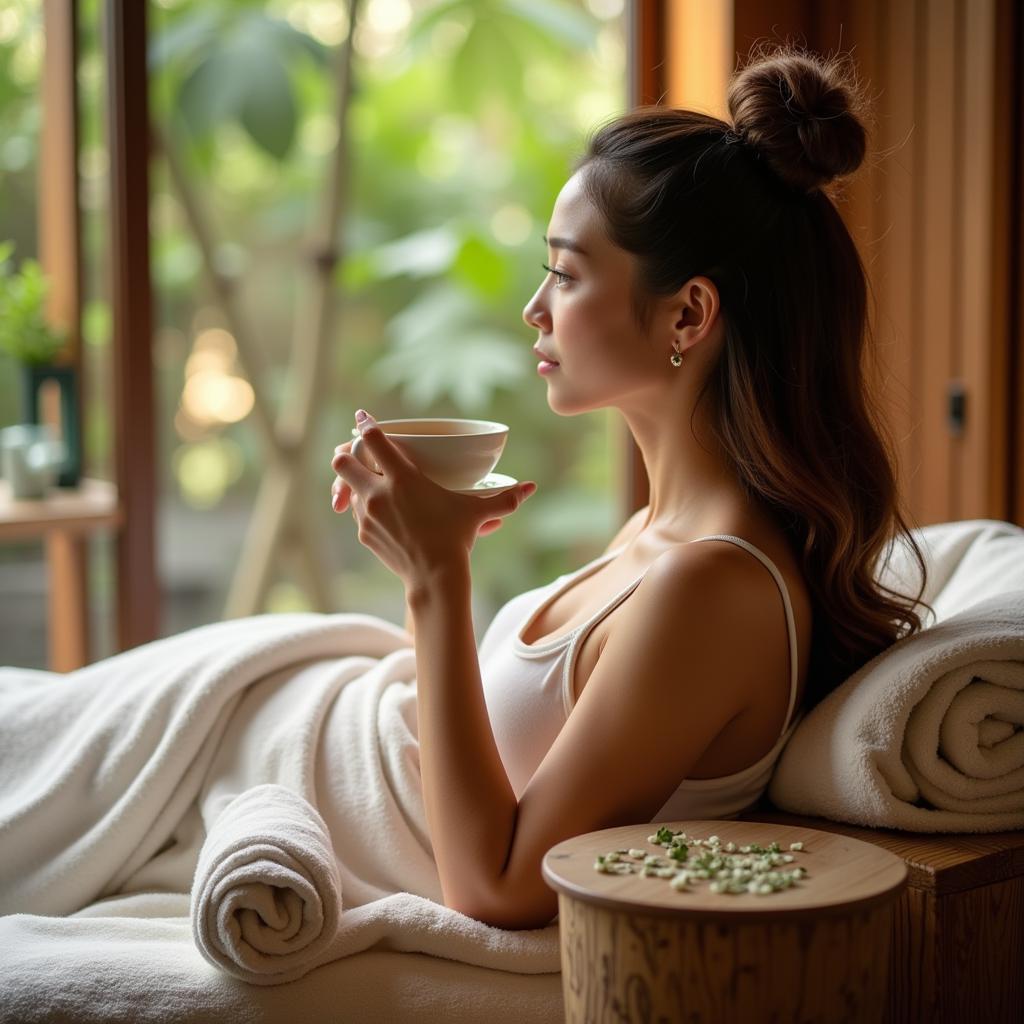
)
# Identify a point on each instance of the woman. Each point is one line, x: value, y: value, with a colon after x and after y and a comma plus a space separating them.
x: 702, y: 283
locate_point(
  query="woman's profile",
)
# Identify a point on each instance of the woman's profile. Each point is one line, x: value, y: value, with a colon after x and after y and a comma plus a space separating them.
x: 700, y: 281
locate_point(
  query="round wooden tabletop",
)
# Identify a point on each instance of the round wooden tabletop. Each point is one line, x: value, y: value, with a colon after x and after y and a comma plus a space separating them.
x: 841, y: 872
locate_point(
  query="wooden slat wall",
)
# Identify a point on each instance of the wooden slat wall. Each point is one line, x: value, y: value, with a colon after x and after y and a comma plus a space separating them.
x: 930, y: 217
x: 936, y: 214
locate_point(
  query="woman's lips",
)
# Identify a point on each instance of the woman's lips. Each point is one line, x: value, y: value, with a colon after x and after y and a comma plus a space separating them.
x: 546, y: 366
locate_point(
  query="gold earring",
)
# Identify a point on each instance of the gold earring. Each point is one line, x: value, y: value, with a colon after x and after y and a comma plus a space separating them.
x: 676, y: 359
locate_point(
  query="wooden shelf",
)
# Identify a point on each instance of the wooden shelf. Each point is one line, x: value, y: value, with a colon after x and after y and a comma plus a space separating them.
x: 64, y: 519
x: 91, y: 506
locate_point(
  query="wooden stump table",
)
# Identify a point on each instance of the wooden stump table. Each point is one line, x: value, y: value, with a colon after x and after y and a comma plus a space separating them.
x: 636, y: 949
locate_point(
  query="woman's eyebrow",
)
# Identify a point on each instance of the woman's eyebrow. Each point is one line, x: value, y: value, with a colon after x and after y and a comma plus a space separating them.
x: 563, y: 243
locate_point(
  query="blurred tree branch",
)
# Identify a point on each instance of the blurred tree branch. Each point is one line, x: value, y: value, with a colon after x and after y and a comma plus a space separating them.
x: 280, y: 526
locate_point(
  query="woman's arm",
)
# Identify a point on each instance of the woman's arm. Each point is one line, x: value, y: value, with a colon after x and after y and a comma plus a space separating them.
x: 470, y: 805
x: 643, y: 721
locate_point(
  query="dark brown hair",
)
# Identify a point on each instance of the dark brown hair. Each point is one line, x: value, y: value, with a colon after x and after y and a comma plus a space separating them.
x: 749, y: 205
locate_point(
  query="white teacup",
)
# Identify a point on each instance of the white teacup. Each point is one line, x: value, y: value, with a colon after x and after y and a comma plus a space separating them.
x: 455, y: 453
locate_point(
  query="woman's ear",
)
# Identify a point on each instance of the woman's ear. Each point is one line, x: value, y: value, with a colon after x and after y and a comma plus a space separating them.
x: 695, y: 308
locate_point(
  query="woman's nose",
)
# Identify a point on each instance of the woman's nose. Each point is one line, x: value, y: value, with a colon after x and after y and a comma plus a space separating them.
x: 534, y: 313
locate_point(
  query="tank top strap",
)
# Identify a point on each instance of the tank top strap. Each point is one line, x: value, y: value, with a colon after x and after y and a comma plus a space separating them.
x: 794, y: 667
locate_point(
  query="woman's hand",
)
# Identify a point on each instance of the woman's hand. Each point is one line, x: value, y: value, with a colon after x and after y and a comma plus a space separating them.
x: 413, y: 525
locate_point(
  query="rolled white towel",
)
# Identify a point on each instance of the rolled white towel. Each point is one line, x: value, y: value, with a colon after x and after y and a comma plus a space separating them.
x: 266, y: 896
x: 927, y: 736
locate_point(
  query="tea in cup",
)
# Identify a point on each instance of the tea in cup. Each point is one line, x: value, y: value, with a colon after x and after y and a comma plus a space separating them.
x: 455, y: 453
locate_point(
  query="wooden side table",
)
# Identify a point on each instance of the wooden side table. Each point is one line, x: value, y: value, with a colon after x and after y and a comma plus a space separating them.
x: 635, y: 949
x: 958, y: 933
x: 64, y: 519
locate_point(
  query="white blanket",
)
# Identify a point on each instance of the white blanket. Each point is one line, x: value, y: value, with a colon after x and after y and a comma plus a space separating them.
x: 929, y: 735
x: 116, y: 775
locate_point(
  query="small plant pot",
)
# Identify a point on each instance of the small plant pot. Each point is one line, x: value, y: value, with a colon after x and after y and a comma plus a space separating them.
x: 35, y: 378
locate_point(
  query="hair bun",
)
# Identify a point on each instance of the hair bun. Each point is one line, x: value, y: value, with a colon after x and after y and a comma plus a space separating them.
x: 800, y: 112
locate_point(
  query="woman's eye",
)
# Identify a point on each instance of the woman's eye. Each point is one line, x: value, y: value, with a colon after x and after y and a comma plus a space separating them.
x: 561, y: 277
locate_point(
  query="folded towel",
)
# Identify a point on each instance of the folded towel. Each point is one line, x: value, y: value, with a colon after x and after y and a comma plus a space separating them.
x: 928, y: 735
x: 266, y: 898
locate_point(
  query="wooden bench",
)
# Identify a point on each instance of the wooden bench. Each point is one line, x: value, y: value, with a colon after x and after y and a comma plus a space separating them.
x: 958, y: 940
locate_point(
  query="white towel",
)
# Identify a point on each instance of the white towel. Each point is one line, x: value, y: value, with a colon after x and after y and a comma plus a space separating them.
x: 929, y: 735
x: 145, y: 773
x: 266, y: 899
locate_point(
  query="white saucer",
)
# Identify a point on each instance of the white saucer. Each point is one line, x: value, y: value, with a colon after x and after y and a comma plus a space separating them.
x: 493, y: 483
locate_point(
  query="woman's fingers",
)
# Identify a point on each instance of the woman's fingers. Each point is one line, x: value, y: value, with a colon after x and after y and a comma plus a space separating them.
x: 506, y: 503
x: 391, y: 459
x: 340, y: 491
x: 354, y: 474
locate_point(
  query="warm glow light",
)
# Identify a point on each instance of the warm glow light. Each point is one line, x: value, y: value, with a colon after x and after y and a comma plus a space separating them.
x: 590, y: 108
x: 606, y: 9
x: 212, y: 397
x: 512, y: 224
x: 326, y: 20
x: 389, y: 16
x: 10, y: 24
x: 216, y: 339
x: 212, y: 362
x: 328, y: 23
x: 206, y: 469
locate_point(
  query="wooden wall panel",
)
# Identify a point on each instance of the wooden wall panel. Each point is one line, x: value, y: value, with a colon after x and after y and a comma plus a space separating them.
x: 891, y: 271
x: 1010, y: 96
x: 980, y: 457
x: 939, y: 262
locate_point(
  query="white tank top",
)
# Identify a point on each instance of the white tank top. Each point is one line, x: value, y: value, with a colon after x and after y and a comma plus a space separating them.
x: 528, y: 692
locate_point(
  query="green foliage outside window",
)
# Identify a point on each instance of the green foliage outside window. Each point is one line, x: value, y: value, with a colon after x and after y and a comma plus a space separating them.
x: 465, y: 119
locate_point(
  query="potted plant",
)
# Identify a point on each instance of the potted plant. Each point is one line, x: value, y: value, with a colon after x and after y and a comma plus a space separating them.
x: 28, y: 338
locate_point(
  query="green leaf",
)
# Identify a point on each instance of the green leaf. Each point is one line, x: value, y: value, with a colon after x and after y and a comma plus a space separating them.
x: 558, y: 21
x: 214, y: 91
x: 288, y: 37
x: 25, y: 333
x: 245, y: 79
x: 425, y: 21
x: 268, y: 111
x: 437, y: 310
x: 485, y: 65
x: 186, y: 38
x: 421, y: 254
x: 439, y: 352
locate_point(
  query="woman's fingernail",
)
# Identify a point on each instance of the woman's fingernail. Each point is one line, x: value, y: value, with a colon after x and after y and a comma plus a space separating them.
x: 361, y: 415
x: 529, y: 489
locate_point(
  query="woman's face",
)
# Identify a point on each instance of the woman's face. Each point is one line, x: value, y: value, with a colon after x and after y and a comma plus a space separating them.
x: 583, y: 314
